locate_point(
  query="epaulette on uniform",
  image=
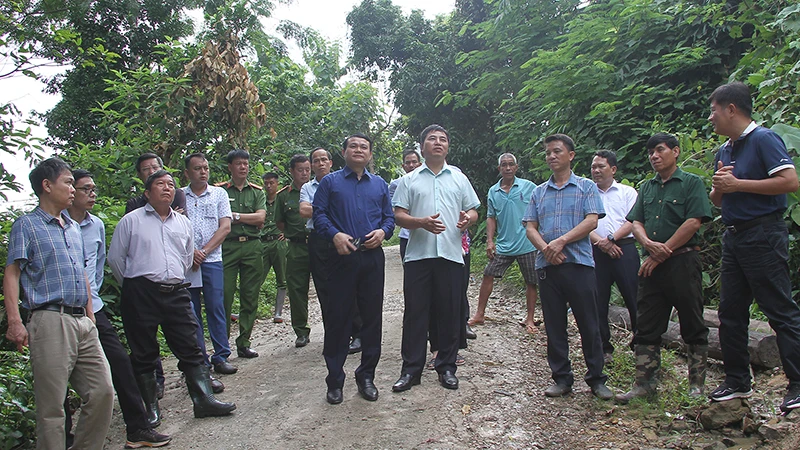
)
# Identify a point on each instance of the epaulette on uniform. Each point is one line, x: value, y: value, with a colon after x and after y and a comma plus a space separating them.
x: 253, y: 185
x: 223, y: 184
x: 283, y: 189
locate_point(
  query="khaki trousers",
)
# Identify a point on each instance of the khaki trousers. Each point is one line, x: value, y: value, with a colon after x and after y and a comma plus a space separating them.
x: 65, y: 348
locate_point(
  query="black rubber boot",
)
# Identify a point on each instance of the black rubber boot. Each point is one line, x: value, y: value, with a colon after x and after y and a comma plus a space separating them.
x: 198, y: 381
x: 148, y: 389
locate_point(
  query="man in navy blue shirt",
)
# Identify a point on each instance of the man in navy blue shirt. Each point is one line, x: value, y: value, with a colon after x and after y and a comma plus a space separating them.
x: 754, y: 174
x: 352, y: 212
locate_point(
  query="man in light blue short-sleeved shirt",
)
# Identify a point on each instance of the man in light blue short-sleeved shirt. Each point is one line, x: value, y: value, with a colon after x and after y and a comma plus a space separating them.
x: 436, y: 203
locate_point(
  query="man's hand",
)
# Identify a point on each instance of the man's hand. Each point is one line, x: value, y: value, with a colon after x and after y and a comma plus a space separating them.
x: 723, y: 180
x: 374, y: 238
x: 343, y: 244
x: 179, y: 210
x: 553, y: 248
x: 463, y: 221
x: 199, y: 258
x: 18, y: 334
x: 281, y: 237
x: 609, y: 248
x: 433, y: 224
x: 490, y: 249
x: 658, y: 251
x: 556, y: 259
x: 648, y: 266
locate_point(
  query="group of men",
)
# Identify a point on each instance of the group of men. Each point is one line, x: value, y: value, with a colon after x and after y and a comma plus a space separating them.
x: 177, y: 250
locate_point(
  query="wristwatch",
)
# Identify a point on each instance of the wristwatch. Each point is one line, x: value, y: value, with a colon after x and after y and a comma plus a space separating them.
x: 236, y: 217
x: 610, y: 237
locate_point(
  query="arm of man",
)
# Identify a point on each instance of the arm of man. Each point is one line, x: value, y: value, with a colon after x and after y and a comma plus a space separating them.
x: 215, y: 241
x: 322, y: 221
x: 16, y: 333
x: 118, y: 250
x: 255, y: 219
x: 579, y: 232
x: 386, y: 227
x: 89, y: 308
x: 491, y: 227
x: 306, y: 208
x: 724, y: 182
x: 407, y: 221
x: 532, y: 231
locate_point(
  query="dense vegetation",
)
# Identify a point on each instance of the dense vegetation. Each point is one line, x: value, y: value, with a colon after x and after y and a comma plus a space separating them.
x: 499, y: 74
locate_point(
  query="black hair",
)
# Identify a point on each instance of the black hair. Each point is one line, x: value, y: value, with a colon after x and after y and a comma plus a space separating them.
x: 610, y: 156
x: 269, y: 176
x: 188, y: 159
x: 736, y: 93
x: 357, y: 135
x: 431, y: 128
x: 145, y: 156
x: 49, y: 169
x: 566, y: 140
x: 297, y: 159
x: 311, y: 154
x: 662, y: 138
x: 237, y: 154
x: 411, y: 151
x: 78, y: 174
x: 154, y: 176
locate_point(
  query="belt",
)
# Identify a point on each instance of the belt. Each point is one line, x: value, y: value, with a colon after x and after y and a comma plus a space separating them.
x: 242, y: 238
x: 270, y: 238
x: 78, y: 311
x: 167, y: 288
x: 298, y: 240
x: 769, y: 218
x: 686, y: 249
x: 625, y: 241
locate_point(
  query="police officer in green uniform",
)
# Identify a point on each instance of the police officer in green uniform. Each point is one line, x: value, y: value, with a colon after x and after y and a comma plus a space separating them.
x: 274, y: 245
x: 242, y: 249
x: 288, y: 220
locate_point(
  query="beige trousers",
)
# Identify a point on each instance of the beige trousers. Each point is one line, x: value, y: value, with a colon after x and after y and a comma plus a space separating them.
x: 65, y: 349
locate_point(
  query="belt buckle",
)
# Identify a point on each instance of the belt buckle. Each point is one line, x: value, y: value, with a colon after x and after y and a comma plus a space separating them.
x: 164, y: 288
x: 731, y: 228
x: 78, y: 311
x: 242, y: 238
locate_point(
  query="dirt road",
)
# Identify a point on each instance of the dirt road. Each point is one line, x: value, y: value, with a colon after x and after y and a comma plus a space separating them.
x: 280, y: 396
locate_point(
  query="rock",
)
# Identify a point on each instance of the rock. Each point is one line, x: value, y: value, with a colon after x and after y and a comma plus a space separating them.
x: 720, y: 414
x: 650, y: 435
x: 775, y: 432
x: 716, y: 446
x: 679, y: 425
x: 749, y: 426
x: 728, y: 442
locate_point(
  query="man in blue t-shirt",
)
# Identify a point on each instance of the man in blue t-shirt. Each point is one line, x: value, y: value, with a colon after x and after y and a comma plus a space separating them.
x: 754, y: 174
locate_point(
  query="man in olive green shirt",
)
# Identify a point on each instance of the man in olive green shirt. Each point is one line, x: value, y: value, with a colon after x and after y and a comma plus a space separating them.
x: 666, y: 217
x: 241, y: 251
x: 293, y: 225
x: 274, y: 245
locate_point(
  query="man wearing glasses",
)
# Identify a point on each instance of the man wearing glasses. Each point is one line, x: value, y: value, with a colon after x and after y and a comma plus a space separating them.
x: 146, y: 165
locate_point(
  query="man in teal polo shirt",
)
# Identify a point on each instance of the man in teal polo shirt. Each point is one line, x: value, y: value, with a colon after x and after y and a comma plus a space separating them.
x: 667, y: 214
x: 241, y: 251
x: 507, y: 202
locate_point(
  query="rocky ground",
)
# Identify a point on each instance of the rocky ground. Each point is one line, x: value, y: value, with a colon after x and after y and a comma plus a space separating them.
x: 280, y: 398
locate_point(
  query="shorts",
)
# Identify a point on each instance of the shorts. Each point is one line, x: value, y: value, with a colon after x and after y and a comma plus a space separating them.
x: 527, y: 265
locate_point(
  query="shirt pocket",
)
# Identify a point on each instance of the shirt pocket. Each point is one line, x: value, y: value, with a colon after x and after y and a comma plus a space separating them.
x: 675, y: 208
x: 651, y: 209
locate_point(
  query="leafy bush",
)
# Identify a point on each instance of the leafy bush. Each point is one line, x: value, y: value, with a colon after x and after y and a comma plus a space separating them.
x: 17, y: 409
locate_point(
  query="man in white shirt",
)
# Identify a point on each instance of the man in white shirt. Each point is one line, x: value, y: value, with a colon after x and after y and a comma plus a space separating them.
x: 613, y: 246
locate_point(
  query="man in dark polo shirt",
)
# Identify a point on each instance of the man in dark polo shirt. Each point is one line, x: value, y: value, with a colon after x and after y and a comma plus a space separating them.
x: 293, y: 225
x: 355, y: 266
x: 274, y: 245
x: 754, y: 174
x: 667, y: 214
x: 241, y: 251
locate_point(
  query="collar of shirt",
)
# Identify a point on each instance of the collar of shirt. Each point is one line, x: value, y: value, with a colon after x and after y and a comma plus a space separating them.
x: 48, y: 218
x: 500, y: 184
x: 677, y: 175
x: 613, y: 186
x: 573, y: 179
x: 445, y: 168
x: 347, y: 171
x: 150, y: 210
x: 190, y: 193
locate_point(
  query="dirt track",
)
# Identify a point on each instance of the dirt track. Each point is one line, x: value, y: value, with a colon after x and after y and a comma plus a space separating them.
x: 281, y: 396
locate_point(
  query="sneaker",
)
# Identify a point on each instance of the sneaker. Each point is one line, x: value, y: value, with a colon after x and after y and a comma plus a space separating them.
x: 792, y: 399
x: 146, y: 438
x: 726, y: 391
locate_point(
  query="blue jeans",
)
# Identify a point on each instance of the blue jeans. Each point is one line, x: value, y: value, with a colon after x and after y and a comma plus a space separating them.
x: 755, y: 263
x: 213, y: 297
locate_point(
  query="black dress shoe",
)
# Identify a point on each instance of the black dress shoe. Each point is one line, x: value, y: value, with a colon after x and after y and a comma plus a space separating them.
x: 225, y: 367
x: 246, y: 352
x: 448, y: 380
x: 470, y: 333
x: 216, y: 386
x: 355, y: 346
x: 405, y: 382
x: 334, y: 396
x: 301, y: 341
x: 367, y: 389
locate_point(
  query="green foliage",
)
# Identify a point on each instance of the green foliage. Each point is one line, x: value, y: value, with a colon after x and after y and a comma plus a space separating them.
x: 17, y: 409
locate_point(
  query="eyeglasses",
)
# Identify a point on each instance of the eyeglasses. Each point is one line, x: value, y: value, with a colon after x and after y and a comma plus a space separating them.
x: 88, y: 190
x: 154, y: 168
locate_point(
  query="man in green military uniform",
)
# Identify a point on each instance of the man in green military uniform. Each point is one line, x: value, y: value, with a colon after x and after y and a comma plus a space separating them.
x: 241, y: 251
x: 274, y: 245
x: 293, y: 225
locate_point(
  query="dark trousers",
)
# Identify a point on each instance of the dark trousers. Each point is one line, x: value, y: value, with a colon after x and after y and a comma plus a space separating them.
x: 755, y: 264
x: 675, y: 282
x: 433, y: 292
x: 319, y: 256
x: 561, y: 287
x: 462, y: 337
x: 355, y: 280
x: 403, y: 245
x: 623, y: 271
x: 130, y: 400
x: 144, y: 308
